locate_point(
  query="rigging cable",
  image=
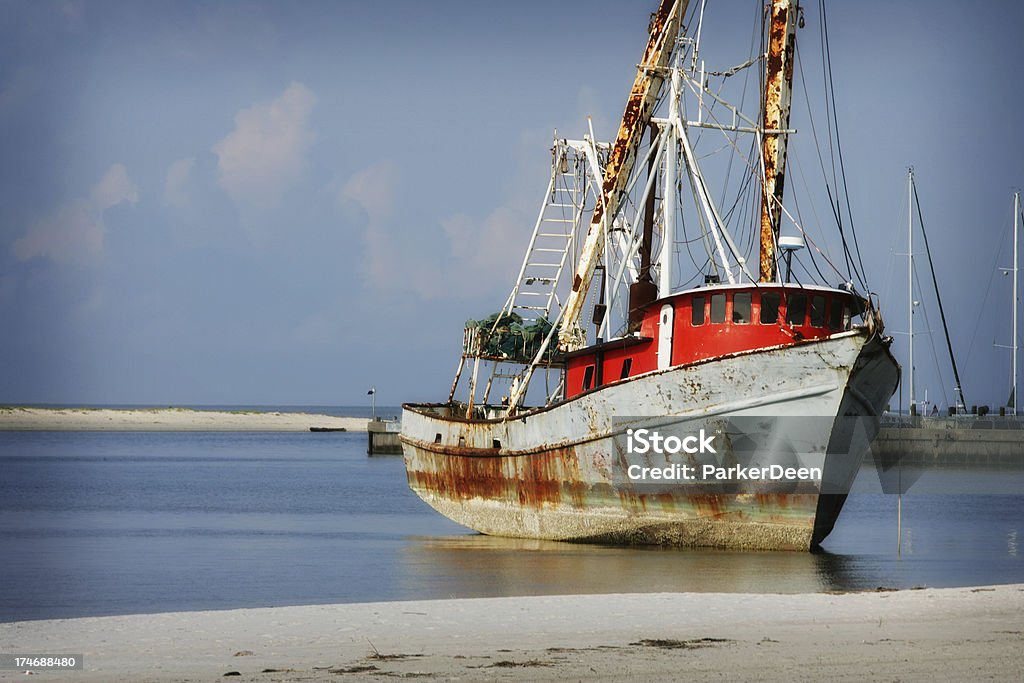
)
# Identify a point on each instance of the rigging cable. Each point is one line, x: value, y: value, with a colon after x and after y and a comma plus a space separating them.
x: 755, y: 56
x: 931, y: 338
x: 821, y: 160
x: 839, y: 147
x: 938, y: 297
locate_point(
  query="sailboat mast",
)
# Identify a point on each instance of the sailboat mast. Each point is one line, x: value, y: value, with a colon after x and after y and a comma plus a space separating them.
x: 777, y: 98
x: 1016, y: 225
x: 910, y: 279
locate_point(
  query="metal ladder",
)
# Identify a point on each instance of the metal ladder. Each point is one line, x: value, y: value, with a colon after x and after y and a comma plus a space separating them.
x: 535, y: 292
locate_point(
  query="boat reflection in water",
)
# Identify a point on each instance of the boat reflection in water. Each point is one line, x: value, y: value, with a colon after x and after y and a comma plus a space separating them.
x: 488, y: 566
x: 960, y: 528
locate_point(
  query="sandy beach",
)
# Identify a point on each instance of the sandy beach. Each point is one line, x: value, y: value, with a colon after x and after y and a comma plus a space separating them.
x: 929, y: 634
x: 167, y: 420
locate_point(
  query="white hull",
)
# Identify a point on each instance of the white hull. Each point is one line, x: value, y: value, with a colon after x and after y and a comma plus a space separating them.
x: 559, y: 472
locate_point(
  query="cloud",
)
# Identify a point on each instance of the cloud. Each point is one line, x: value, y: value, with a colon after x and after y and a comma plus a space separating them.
x: 433, y: 261
x: 394, y: 261
x: 374, y: 189
x: 75, y: 233
x: 265, y: 152
x: 176, y: 186
x: 114, y: 188
x: 487, y: 250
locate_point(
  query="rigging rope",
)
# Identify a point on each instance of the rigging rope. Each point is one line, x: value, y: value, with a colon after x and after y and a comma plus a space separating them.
x: 839, y: 146
x: 931, y: 338
x: 935, y: 283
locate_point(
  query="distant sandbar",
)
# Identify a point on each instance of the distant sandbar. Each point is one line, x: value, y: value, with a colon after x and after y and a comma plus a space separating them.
x: 17, y: 418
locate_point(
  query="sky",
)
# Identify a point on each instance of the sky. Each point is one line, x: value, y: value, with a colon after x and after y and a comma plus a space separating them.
x: 288, y: 203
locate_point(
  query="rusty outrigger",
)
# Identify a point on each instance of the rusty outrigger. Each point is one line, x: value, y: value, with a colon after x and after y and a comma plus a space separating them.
x: 777, y: 377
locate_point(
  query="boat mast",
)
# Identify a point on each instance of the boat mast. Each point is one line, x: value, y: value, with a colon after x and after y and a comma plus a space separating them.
x: 910, y: 279
x: 639, y: 107
x: 777, y: 99
x: 1016, y: 225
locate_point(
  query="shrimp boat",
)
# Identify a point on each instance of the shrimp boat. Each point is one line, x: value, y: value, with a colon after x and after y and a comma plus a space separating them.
x: 724, y: 407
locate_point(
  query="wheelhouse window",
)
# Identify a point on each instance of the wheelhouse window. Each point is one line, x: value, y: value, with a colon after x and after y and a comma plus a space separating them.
x: 588, y: 378
x: 741, y: 308
x: 817, y: 311
x: 718, y: 308
x: 770, y: 308
x: 796, y: 309
x: 697, y: 311
x: 627, y: 365
x: 835, y: 315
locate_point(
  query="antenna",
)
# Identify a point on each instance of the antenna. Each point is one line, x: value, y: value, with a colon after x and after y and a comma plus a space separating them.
x: 789, y: 244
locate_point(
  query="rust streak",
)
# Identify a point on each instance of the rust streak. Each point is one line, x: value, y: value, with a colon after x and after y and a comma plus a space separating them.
x: 531, y: 481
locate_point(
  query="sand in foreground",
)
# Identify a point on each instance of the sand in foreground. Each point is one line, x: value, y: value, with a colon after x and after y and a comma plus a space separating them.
x: 933, y: 634
x: 167, y: 420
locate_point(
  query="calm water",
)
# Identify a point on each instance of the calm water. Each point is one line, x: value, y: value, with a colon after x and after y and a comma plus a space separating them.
x: 118, y: 523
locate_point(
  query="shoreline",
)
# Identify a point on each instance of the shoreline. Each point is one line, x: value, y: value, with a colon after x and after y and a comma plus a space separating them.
x: 34, y: 419
x: 934, y: 634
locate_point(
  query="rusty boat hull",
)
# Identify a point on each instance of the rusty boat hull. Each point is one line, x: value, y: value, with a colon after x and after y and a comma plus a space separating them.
x: 558, y: 472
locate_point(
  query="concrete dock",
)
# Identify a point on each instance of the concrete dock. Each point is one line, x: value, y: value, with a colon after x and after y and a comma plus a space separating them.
x: 382, y: 437
x: 953, y: 441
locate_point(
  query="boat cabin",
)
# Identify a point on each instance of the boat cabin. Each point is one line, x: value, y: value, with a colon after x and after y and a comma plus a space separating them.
x: 711, y: 322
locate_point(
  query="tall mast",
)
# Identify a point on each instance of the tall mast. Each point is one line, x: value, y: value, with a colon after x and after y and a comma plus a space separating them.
x: 777, y: 98
x: 1016, y: 225
x: 639, y: 106
x: 910, y: 278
